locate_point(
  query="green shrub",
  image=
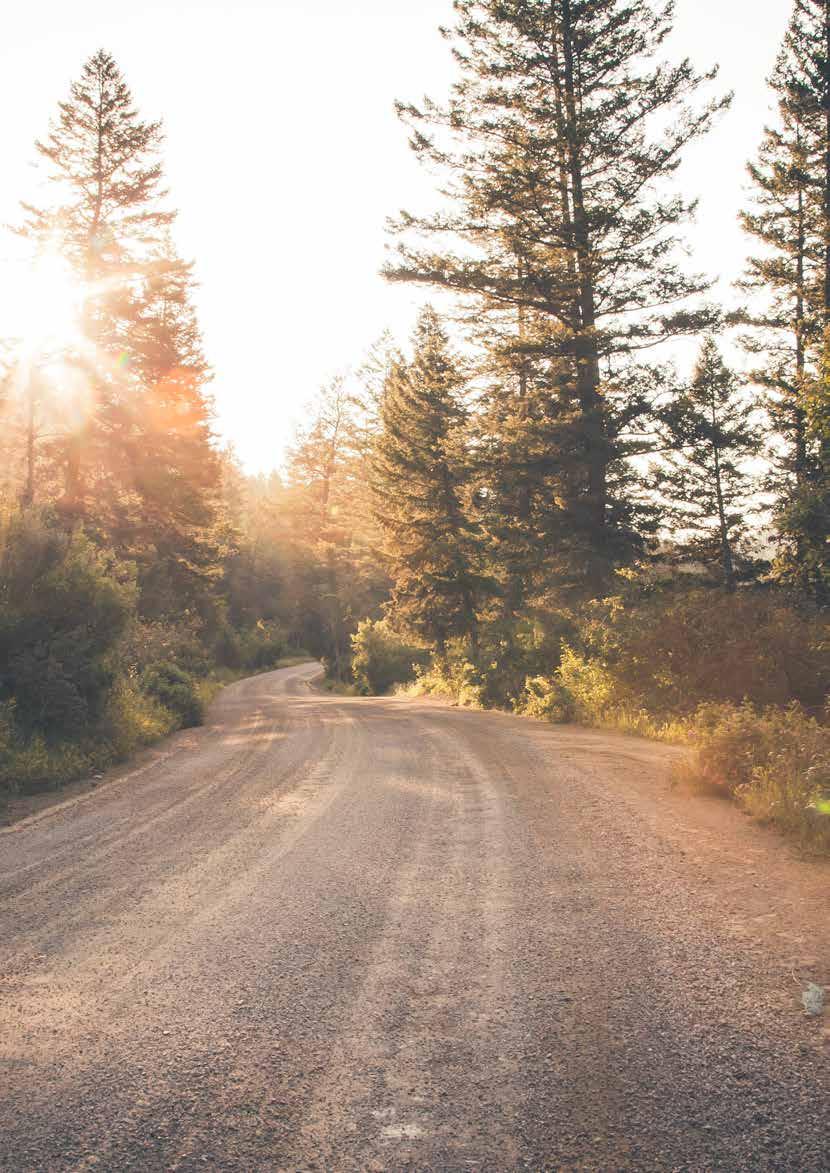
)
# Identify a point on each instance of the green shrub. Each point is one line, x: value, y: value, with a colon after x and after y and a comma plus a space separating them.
x: 454, y: 675
x: 672, y: 651
x: 775, y: 763
x: 227, y: 648
x: 134, y: 719
x: 64, y: 606
x: 36, y: 765
x: 592, y: 689
x: 175, y: 690
x: 382, y: 659
x: 150, y: 641
x: 255, y: 648
x: 261, y: 646
x: 546, y: 699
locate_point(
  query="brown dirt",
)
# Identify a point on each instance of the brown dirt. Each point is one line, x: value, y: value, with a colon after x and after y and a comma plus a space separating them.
x: 337, y: 933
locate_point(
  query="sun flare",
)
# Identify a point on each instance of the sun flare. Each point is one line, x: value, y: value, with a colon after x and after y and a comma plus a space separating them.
x: 48, y: 303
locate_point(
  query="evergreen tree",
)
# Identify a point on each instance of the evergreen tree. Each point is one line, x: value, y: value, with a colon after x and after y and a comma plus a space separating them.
x: 791, y: 279
x: 106, y: 215
x: 138, y: 461
x: 784, y: 321
x: 419, y: 475
x: 171, y: 474
x: 334, y: 539
x: 705, y: 480
x: 556, y: 143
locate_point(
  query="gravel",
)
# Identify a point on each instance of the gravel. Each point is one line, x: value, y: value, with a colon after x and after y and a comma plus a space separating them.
x: 333, y: 933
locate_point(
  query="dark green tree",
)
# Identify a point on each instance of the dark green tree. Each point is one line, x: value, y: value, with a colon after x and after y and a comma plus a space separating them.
x: 556, y: 145
x: 705, y: 481
x: 165, y: 497
x: 420, y: 472
x: 790, y: 314
x: 64, y: 604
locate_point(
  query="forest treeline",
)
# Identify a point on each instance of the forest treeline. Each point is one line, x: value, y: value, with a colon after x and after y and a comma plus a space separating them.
x: 139, y: 567
x: 526, y: 506
x: 572, y: 530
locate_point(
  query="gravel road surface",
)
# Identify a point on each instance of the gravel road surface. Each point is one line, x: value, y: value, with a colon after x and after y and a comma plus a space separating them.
x: 333, y: 933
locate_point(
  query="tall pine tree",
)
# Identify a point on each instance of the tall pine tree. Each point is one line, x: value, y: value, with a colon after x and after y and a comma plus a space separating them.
x: 103, y: 169
x: 419, y: 478
x: 556, y: 144
x: 137, y: 459
x: 706, y: 482
x: 790, y: 313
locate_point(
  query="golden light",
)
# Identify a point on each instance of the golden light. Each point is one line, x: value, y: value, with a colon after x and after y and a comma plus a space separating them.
x: 47, y: 304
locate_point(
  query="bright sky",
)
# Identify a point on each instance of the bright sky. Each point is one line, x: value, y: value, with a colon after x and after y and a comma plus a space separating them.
x: 284, y: 156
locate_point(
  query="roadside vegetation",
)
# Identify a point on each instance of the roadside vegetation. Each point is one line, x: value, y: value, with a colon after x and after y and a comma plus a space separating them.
x: 573, y: 531
x: 528, y: 507
x: 140, y: 570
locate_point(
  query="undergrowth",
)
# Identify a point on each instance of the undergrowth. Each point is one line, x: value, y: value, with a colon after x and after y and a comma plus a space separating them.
x: 138, y: 713
x: 741, y: 681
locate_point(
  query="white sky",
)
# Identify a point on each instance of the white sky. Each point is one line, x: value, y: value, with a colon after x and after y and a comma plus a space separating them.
x: 284, y: 156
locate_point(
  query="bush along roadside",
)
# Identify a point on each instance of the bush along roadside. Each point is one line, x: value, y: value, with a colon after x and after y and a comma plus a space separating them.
x: 85, y: 680
x: 741, y: 680
x: 774, y: 762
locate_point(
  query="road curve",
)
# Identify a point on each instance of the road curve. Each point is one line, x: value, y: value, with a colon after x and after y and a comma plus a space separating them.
x: 332, y: 933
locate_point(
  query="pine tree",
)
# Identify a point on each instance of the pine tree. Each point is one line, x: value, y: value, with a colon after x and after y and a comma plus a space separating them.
x: 103, y: 167
x: 334, y: 537
x: 419, y: 474
x: 705, y: 481
x: 784, y: 324
x: 556, y: 143
x: 170, y: 476
x: 791, y: 279
x: 138, y: 461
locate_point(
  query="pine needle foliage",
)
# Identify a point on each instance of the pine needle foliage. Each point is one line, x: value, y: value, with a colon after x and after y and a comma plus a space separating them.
x: 555, y: 149
x: 790, y: 278
x: 136, y: 455
x: 706, y: 481
x: 420, y: 472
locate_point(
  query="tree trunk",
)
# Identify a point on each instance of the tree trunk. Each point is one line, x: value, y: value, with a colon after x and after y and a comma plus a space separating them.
x: 799, y: 414
x: 27, y: 497
x: 826, y: 202
x: 727, y: 561
x: 585, y: 341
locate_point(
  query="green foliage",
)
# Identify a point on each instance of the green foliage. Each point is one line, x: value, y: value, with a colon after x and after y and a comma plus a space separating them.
x: 419, y: 470
x: 670, y: 652
x: 35, y: 764
x: 704, y: 481
x: 176, y: 690
x: 254, y: 648
x: 593, y: 691
x: 554, y: 150
x: 790, y: 312
x: 133, y: 719
x: 324, y: 519
x: 775, y: 762
x: 453, y: 674
x: 183, y: 641
x: 381, y: 658
x: 262, y: 646
x: 64, y: 606
x: 546, y: 699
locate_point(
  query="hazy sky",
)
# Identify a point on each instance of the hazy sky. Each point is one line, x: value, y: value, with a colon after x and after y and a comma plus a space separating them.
x: 284, y: 156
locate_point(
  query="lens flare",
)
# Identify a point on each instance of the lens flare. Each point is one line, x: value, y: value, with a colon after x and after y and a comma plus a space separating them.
x: 48, y: 303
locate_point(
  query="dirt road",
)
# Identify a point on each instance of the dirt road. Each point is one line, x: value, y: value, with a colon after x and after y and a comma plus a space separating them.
x: 332, y: 933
